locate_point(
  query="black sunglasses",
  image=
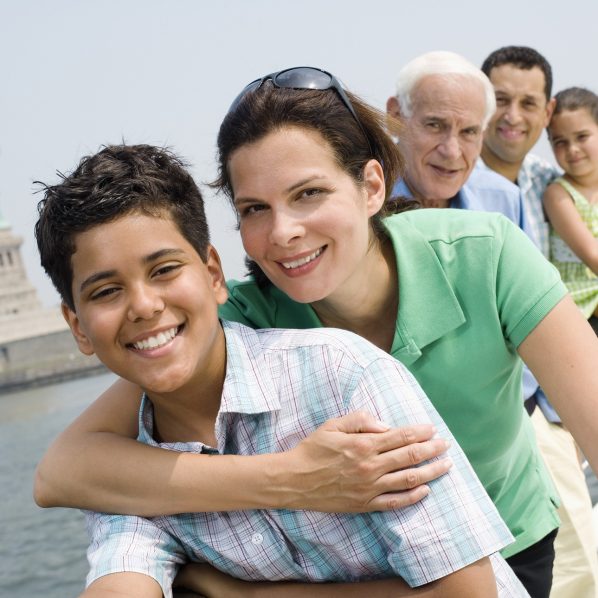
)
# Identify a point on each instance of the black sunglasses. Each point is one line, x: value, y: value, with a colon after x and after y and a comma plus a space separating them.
x: 303, y: 77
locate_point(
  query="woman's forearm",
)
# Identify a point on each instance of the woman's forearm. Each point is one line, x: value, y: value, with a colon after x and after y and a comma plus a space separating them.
x: 330, y: 470
x: 349, y: 464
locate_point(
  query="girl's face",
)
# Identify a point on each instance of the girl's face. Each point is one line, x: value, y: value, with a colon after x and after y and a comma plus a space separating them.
x: 574, y: 139
x: 302, y: 218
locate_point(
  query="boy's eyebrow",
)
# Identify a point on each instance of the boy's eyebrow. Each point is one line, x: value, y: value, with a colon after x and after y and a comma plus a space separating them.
x: 146, y: 260
x: 95, y: 277
x: 161, y: 253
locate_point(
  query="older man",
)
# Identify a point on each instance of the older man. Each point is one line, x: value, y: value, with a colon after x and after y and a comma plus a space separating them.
x: 442, y: 105
x: 522, y: 79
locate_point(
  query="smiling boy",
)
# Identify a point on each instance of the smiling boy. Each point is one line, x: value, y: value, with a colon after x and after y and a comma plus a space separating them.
x: 125, y: 241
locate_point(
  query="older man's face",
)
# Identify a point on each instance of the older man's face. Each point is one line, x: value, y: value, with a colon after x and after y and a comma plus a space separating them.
x: 442, y: 139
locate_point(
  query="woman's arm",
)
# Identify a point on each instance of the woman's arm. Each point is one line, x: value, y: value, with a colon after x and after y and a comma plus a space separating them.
x: 474, y: 581
x: 350, y: 464
x: 567, y: 222
x: 562, y: 353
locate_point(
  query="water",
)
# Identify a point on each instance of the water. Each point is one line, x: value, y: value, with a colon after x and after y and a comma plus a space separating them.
x: 42, y: 551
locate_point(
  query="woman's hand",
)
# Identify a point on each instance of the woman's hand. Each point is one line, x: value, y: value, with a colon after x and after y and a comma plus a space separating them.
x: 356, y: 464
x: 349, y: 464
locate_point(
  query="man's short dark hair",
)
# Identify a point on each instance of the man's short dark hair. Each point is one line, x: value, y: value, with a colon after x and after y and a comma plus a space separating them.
x: 114, y: 182
x: 523, y: 58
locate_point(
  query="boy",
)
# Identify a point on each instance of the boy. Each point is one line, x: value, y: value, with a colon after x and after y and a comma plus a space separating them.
x: 125, y: 241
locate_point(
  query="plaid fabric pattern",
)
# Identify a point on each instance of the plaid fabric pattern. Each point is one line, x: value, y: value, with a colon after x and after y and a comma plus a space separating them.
x: 534, y: 176
x: 280, y: 385
x: 581, y: 282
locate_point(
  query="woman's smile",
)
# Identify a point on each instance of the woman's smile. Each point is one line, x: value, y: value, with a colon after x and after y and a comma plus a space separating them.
x: 303, y: 219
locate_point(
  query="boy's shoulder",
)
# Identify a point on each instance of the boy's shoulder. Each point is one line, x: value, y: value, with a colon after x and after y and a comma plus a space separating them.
x: 311, y: 342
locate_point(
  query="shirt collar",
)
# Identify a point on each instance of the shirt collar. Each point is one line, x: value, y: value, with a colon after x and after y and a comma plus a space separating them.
x: 400, y: 189
x: 428, y: 307
x: 246, y: 389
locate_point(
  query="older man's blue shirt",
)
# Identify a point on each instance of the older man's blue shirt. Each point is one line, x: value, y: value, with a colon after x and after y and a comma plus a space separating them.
x: 485, y: 191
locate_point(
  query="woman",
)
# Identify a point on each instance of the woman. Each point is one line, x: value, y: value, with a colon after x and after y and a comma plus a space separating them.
x: 453, y: 295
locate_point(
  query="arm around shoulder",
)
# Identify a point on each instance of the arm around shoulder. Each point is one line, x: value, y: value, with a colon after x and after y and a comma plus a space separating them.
x: 351, y: 464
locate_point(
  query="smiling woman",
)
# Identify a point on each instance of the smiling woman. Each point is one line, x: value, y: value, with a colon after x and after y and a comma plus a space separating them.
x: 313, y: 219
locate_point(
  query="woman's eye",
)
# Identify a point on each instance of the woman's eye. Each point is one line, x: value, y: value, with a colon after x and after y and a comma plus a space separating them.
x: 311, y: 192
x: 250, y: 210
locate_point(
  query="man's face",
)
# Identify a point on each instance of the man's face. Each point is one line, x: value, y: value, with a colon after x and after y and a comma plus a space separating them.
x: 442, y: 139
x: 522, y: 112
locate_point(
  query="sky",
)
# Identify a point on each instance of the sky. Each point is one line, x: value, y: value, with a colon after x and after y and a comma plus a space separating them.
x: 77, y: 74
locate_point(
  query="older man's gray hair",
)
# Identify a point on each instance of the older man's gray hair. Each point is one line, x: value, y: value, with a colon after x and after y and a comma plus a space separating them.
x: 441, y: 63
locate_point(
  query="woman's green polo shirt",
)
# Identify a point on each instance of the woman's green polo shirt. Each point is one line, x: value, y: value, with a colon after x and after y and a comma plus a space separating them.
x: 471, y: 288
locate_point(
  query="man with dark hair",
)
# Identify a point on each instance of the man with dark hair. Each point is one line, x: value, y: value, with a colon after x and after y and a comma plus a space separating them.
x: 522, y: 79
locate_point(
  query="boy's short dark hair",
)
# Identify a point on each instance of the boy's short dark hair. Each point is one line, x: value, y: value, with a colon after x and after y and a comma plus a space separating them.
x: 522, y: 57
x: 114, y: 182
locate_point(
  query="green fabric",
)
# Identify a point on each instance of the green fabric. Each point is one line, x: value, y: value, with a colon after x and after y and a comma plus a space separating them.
x: 581, y: 282
x: 472, y: 287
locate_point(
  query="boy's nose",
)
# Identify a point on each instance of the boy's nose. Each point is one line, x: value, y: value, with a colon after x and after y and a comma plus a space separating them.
x: 145, y: 302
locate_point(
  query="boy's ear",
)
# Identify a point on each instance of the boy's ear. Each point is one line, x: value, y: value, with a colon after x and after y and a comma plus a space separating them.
x: 81, y: 339
x: 217, y: 280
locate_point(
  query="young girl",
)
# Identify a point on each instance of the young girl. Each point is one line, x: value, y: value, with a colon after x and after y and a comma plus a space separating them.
x: 571, y: 202
x: 454, y: 295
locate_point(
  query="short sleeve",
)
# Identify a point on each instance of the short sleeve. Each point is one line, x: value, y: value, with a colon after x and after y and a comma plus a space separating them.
x: 527, y: 285
x: 131, y: 544
x: 457, y: 523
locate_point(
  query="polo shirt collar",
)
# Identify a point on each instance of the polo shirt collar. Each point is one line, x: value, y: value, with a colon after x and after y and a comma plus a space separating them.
x: 428, y: 307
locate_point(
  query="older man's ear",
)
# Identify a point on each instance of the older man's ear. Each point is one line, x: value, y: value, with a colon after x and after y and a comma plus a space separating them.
x: 393, y: 113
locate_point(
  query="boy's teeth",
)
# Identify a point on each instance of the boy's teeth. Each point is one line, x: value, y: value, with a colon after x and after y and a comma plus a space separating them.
x: 152, y: 342
x: 302, y: 261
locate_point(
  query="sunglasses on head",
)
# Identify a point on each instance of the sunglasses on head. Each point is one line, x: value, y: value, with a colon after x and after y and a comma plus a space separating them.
x: 303, y: 77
